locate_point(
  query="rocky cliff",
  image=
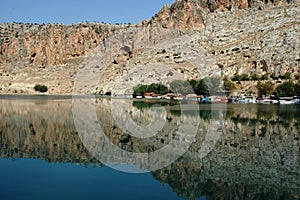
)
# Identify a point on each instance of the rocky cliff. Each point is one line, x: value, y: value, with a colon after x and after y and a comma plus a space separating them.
x: 192, y: 13
x: 235, y: 36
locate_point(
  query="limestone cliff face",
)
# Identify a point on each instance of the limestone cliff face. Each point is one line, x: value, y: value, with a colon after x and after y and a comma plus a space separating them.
x: 188, y: 14
x: 236, y: 36
x: 50, y: 44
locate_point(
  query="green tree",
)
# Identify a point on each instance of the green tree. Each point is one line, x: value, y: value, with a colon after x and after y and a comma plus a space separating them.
x: 213, y: 84
x: 140, y: 89
x: 40, y: 88
x: 158, y: 88
x: 181, y: 86
x: 286, y: 89
x: 201, y: 88
x: 194, y: 84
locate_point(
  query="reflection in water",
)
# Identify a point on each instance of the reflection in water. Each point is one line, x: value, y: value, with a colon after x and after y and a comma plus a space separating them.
x: 255, y: 155
x: 40, y: 129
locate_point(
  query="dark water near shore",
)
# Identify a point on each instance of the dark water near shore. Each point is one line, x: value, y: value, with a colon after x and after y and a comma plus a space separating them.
x: 221, y: 151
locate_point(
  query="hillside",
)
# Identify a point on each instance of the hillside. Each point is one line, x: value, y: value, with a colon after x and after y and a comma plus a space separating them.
x: 189, y: 39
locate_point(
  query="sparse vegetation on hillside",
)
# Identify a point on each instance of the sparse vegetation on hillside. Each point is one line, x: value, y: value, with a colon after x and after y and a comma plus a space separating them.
x: 287, y: 76
x: 254, y: 77
x: 229, y: 86
x: 264, y: 76
x: 242, y: 77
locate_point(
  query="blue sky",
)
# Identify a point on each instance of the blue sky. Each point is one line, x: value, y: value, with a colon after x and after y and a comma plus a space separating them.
x: 73, y: 11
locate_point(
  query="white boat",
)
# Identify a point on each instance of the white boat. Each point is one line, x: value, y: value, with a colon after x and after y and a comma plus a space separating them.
x: 243, y: 100
x: 178, y: 98
x: 286, y: 102
x: 266, y: 101
x: 149, y: 97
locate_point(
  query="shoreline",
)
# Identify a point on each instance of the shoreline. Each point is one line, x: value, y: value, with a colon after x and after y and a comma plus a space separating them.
x: 70, y: 97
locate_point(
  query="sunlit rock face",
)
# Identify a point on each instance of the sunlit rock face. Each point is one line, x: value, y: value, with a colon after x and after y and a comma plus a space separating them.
x: 234, y: 36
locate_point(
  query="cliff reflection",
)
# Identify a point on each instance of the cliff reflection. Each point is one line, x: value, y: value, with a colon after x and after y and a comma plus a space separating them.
x: 256, y: 155
x: 41, y: 129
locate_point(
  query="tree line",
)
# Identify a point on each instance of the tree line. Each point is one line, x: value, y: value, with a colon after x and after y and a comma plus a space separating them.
x: 286, y: 89
x: 211, y: 86
x: 206, y: 87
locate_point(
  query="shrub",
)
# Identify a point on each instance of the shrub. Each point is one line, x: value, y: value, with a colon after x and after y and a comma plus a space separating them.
x: 265, y: 88
x: 264, y: 76
x: 274, y: 77
x: 245, y: 77
x: 287, y: 76
x: 242, y: 77
x: 229, y: 86
x: 40, y: 88
x: 254, y: 77
x: 297, y: 77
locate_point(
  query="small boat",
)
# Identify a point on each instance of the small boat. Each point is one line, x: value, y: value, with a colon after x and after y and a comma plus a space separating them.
x: 286, y: 100
x: 178, y: 97
x: 266, y: 100
x: 151, y: 95
x: 173, y: 96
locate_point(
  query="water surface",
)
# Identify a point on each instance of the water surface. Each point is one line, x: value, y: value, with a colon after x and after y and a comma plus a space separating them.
x: 238, y: 151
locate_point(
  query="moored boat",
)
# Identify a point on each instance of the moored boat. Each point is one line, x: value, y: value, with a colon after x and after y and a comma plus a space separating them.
x: 286, y: 100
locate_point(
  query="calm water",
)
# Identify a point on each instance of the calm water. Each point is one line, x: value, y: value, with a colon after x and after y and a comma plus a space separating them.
x: 56, y: 148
